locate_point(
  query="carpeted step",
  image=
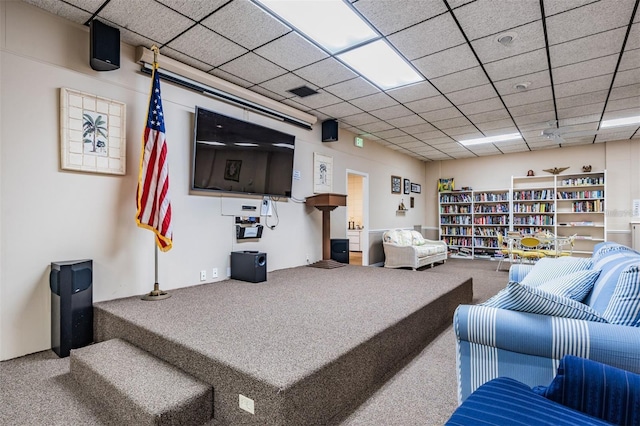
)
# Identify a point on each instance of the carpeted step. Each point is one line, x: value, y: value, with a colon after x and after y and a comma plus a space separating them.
x: 138, y: 388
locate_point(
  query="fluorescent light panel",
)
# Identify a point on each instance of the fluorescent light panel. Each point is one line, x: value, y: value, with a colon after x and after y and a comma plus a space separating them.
x: 620, y: 122
x: 337, y: 28
x: 491, y: 139
x: 330, y: 23
x: 378, y: 62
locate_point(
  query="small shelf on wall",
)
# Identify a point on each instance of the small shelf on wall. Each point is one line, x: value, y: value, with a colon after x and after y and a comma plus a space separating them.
x: 401, y: 211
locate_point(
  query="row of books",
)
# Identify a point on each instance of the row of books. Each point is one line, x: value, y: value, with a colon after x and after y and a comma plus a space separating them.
x: 491, y: 220
x: 533, y: 220
x: 455, y: 209
x: 455, y: 220
x: 572, y: 195
x: 456, y: 230
x: 494, y: 208
x: 533, y: 208
x: 589, y: 180
x: 490, y: 197
x: 455, y: 198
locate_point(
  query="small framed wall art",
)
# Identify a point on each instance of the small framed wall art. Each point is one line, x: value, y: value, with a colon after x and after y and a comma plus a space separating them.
x: 396, y: 185
x: 92, y: 133
x: 322, y: 173
x: 407, y: 186
x: 416, y: 187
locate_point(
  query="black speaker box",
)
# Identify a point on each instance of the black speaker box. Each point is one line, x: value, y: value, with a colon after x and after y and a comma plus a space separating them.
x: 340, y: 250
x: 249, y: 266
x: 71, y: 284
x: 330, y: 130
x: 104, y: 46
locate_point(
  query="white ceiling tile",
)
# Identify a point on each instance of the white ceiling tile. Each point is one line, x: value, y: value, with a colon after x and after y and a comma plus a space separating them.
x: 586, y: 69
x: 391, y: 112
x: 587, y: 20
x: 391, y: 133
x: 481, y: 106
x: 589, y: 122
x: 535, y: 119
x: 484, y: 117
x: 147, y: 17
x: 235, y: 17
x: 498, y: 124
x: 388, y: 18
x: 429, y: 104
x: 630, y: 106
x: 586, y: 48
x: 592, y: 84
x: 451, y: 123
x: 423, y: 127
x: 441, y: 114
x: 632, y: 90
x: 428, y: 37
x: 553, y: 7
x: 282, y: 84
x: 473, y: 94
x: 318, y: 100
x: 528, y: 97
x: 633, y: 42
x: 420, y: 90
x: 432, y: 137
x: 520, y: 65
x: 582, y: 99
x: 377, y: 126
x: 625, y: 78
x: 580, y: 111
x: 231, y: 78
x: 532, y: 108
x: 471, y: 77
x: 267, y: 93
x: 527, y: 38
x: 343, y: 109
x: 446, y: 62
x: 464, y: 132
x: 359, y: 119
x: 534, y: 81
x: 326, y: 72
x: 291, y: 52
x: 206, y: 45
x: 353, y: 89
x: 67, y: 11
x: 405, y: 141
x: 407, y: 121
x: 375, y: 101
x: 181, y: 57
x: 194, y: 9
x: 479, y: 18
x: 254, y: 68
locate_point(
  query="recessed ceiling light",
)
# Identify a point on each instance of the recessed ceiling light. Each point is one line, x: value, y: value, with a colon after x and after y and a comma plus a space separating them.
x: 522, y: 86
x: 620, y: 122
x: 491, y: 139
x: 506, y: 39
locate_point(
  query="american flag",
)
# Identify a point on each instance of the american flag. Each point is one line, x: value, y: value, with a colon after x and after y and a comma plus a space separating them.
x: 154, y: 205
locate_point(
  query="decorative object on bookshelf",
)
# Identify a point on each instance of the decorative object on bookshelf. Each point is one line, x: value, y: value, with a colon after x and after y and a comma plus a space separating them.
x: 416, y: 187
x: 396, y: 182
x: 555, y: 170
x: 586, y: 169
x: 530, y: 173
x: 407, y: 186
x: 445, y: 185
x: 401, y: 206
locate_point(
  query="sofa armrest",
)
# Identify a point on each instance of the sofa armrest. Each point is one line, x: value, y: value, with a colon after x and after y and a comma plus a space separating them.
x: 518, y: 271
x: 548, y: 337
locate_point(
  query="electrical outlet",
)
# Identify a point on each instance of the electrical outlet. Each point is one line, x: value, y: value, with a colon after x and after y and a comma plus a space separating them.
x: 246, y: 403
x: 203, y: 275
x: 214, y: 273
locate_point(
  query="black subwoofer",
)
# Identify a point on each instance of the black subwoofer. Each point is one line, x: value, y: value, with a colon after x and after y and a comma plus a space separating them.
x: 249, y: 266
x: 340, y: 250
x: 71, y: 284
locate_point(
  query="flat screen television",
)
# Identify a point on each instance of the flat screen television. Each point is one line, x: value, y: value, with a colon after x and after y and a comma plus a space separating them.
x: 231, y: 155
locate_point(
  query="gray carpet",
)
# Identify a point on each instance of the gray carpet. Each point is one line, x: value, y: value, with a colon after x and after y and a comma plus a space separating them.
x: 37, y: 389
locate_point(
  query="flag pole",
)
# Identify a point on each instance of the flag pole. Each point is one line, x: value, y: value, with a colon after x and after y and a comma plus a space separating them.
x: 156, y: 293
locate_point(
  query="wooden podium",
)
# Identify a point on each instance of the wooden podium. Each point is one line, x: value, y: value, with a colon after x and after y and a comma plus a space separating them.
x: 326, y: 203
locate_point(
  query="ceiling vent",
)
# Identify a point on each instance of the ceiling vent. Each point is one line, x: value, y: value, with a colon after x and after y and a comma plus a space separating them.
x: 303, y: 91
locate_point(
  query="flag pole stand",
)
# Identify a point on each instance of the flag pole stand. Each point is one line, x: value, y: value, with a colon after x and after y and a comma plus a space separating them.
x: 156, y: 294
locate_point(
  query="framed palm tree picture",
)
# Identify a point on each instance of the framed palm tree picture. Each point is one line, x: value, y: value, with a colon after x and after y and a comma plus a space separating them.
x: 92, y: 133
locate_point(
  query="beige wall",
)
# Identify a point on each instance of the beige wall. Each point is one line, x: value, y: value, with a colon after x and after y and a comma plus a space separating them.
x: 619, y: 159
x: 52, y: 215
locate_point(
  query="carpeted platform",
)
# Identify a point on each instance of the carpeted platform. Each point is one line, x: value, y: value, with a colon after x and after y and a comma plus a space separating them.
x: 305, y: 345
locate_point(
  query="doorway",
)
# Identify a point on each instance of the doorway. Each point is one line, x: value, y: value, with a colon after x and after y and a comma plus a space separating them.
x: 358, y: 217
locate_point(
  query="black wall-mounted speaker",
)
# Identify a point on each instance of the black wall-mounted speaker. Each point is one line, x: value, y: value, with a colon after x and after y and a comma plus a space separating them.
x: 249, y: 266
x: 71, y: 284
x: 330, y: 130
x: 104, y: 48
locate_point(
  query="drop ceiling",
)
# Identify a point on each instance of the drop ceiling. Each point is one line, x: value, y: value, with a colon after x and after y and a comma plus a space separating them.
x: 579, y: 61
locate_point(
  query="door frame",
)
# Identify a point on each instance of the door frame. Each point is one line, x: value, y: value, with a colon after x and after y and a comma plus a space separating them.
x: 364, y: 239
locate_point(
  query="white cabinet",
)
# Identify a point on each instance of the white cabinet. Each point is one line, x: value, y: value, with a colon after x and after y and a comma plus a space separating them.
x: 635, y: 235
x: 354, y: 239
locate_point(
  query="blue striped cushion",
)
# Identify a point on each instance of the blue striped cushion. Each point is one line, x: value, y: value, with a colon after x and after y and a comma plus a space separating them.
x: 575, y: 286
x: 547, y: 269
x: 518, y: 297
x: 597, y: 389
x: 504, y: 401
x: 624, y: 305
x: 611, y: 259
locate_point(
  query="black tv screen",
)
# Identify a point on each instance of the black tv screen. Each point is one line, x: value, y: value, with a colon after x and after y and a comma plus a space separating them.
x: 231, y: 155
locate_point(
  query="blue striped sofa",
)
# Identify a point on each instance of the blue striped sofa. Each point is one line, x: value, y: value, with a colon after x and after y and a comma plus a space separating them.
x: 493, y: 342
